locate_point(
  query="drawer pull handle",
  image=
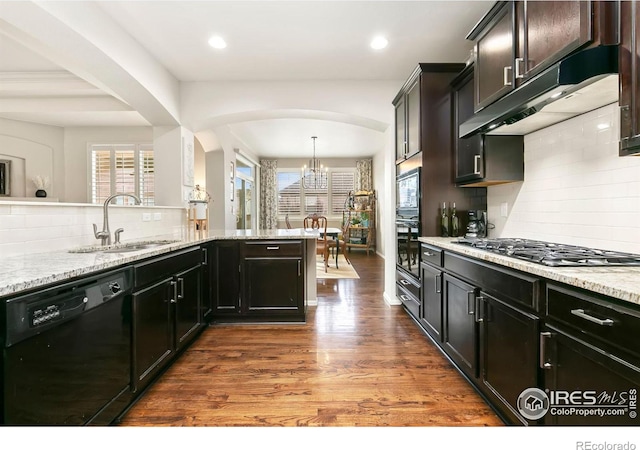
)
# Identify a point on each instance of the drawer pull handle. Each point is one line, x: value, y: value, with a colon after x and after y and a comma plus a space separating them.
x: 544, y: 361
x: 427, y: 254
x: 582, y: 314
x: 405, y: 282
x: 438, y: 284
x: 506, y: 81
x: 273, y: 248
x: 404, y: 298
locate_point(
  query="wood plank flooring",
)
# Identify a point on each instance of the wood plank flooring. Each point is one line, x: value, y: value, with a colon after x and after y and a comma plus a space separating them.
x: 356, y: 362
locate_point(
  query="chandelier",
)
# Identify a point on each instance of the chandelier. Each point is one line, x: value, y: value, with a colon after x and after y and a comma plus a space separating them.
x: 314, y: 176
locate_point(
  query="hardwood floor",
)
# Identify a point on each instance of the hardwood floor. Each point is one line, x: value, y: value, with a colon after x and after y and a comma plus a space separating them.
x: 356, y: 362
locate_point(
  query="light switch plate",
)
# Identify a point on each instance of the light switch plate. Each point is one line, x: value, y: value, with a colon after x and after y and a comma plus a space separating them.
x: 157, y: 216
x: 146, y: 217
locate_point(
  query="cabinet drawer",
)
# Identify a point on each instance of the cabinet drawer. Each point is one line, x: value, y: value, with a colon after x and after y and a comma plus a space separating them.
x: 431, y: 255
x: 408, y: 283
x: 409, y: 301
x: 505, y: 284
x: 272, y: 249
x: 157, y: 268
x: 606, y: 321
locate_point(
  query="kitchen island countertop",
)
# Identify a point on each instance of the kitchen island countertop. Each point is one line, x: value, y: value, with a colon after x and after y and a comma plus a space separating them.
x: 23, y: 272
x: 614, y: 281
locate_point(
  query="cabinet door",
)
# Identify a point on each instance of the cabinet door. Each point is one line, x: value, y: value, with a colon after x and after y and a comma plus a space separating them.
x: 573, y: 365
x: 495, y: 54
x: 225, y: 278
x: 629, y: 77
x: 187, y: 306
x: 152, y: 331
x: 552, y: 31
x: 508, y: 352
x: 273, y: 286
x: 460, y: 328
x: 206, y: 290
x: 413, y: 119
x: 431, y: 315
x: 401, y: 129
x: 468, y: 150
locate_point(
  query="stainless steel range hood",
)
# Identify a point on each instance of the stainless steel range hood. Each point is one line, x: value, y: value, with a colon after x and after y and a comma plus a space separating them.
x: 579, y: 83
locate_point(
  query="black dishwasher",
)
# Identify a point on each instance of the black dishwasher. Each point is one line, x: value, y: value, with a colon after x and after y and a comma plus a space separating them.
x: 67, y: 353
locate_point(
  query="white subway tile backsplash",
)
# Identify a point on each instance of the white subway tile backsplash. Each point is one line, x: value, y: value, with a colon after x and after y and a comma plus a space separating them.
x: 576, y: 188
x: 36, y: 228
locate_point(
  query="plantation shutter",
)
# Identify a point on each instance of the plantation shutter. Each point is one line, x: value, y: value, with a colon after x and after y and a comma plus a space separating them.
x: 315, y: 201
x: 341, y: 184
x: 100, y: 174
x: 147, y: 175
x: 289, y: 193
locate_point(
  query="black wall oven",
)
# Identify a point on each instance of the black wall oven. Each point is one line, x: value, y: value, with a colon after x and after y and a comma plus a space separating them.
x: 408, y: 226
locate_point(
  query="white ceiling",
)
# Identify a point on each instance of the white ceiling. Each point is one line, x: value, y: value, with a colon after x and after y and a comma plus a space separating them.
x: 267, y: 41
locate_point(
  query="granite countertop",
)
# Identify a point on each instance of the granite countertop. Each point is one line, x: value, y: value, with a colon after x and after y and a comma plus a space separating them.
x: 616, y: 281
x: 19, y: 273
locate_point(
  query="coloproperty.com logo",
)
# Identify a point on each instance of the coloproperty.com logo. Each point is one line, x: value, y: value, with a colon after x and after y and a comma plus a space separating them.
x: 534, y: 403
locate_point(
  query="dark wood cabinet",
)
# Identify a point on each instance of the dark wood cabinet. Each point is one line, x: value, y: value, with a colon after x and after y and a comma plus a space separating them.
x: 401, y: 128
x: 166, y: 310
x: 574, y: 365
x: 482, y: 160
x: 516, y: 40
x: 431, y: 290
x: 188, y: 313
x: 223, y: 277
x: 257, y: 280
x: 408, y: 116
x: 508, y: 353
x: 274, y: 286
x: 495, y: 54
x: 460, y: 338
x: 629, y: 73
x: 152, y: 338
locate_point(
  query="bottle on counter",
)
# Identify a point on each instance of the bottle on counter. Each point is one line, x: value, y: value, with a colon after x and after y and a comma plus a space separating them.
x: 455, y: 221
x: 444, y: 221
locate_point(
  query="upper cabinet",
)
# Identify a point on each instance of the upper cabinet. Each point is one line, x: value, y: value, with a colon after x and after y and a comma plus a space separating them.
x: 414, y: 109
x: 482, y: 160
x: 629, y: 78
x: 407, y: 105
x: 516, y: 40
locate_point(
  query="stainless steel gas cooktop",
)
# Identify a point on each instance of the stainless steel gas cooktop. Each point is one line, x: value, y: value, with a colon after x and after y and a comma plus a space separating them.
x: 552, y: 254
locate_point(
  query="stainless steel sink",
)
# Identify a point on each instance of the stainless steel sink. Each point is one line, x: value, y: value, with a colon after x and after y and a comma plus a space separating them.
x: 124, y: 248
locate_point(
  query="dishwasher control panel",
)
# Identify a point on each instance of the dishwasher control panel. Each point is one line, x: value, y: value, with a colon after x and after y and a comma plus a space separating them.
x: 32, y: 313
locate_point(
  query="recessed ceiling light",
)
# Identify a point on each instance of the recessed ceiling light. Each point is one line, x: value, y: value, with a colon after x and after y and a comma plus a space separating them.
x: 217, y: 42
x: 378, y: 43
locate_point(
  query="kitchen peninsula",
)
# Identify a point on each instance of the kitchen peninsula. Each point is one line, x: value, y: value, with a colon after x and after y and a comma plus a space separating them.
x: 126, y: 311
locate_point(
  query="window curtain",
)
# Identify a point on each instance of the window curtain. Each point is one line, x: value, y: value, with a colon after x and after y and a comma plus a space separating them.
x: 268, y: 194
x: 364, y: 175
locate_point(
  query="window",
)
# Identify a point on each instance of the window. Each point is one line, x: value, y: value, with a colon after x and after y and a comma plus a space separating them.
x: 294, y: 200
x: 122, y: 168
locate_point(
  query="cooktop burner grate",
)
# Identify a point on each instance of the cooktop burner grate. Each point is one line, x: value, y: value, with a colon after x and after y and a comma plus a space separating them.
x: 552, y: 254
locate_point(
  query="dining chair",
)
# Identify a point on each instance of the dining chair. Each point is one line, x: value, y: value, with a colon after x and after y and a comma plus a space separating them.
x: 316, y: 222
x: 341, y: 241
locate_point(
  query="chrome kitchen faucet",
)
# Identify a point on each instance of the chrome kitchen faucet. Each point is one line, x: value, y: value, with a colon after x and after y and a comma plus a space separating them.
x: 105, y: 234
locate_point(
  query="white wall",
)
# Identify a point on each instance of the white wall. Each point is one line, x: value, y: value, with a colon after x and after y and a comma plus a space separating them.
x: 576, y: 188
x: 33, y: 149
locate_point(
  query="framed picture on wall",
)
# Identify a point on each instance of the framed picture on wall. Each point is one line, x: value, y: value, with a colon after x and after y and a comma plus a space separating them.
x: 5, y: 177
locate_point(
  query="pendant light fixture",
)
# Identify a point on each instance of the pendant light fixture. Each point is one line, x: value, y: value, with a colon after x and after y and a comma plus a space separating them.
x: 315, y: 175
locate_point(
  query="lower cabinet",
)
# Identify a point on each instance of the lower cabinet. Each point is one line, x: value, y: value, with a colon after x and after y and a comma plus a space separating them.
x: 257, y: 280
x: 590, y: 359
x: 508, y: 353
x: 431, y: 291
x: 166, y: 311
x: 408, y: 291
x: 460, y: 327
